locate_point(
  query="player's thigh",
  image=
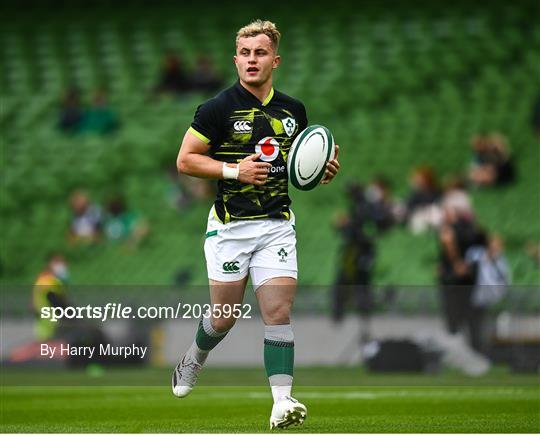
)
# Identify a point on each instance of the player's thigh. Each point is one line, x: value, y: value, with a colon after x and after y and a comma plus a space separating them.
x: 227, y: 292
x: 275, y: 256
x: 223, y: 298
x: 276, y: 298
x: 273, y: 270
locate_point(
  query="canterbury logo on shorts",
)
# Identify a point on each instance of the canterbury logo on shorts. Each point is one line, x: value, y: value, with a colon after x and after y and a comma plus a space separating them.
x: 231, y: 267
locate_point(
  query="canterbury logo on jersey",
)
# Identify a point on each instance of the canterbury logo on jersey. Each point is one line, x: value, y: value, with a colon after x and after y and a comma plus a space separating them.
x: 231, y: 267
x: 243, y: 126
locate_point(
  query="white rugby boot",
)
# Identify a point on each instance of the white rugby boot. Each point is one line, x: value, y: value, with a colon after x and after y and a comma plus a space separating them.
x: 184, y: 376
x: 287, y: 412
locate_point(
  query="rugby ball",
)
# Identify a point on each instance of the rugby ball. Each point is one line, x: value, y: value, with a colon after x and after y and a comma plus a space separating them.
x: 309, y: 153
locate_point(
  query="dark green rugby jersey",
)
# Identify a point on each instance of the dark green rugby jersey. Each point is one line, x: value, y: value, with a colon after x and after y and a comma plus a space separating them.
x: 236, y: 124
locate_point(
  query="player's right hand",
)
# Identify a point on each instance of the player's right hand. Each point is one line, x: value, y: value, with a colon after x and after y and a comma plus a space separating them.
x: 252, y: 172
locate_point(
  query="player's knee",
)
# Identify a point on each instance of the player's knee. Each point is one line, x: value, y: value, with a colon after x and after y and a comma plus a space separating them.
x: 223, y: 324
x: 278, y: 315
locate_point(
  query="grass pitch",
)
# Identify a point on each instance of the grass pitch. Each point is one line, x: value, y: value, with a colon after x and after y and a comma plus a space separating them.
x: 447, y: 403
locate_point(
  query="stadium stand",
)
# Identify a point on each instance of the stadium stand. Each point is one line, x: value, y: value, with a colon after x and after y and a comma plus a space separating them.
x: 398, y: 83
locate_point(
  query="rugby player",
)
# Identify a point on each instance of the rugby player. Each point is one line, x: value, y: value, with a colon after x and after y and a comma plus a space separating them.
x: 242, y: 137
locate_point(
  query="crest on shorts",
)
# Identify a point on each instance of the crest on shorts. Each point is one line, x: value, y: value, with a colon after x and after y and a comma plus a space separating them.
x: 289, y: 124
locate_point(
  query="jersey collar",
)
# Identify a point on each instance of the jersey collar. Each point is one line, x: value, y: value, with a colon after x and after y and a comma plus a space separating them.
x: 269, y: 97
x: 247, y: 93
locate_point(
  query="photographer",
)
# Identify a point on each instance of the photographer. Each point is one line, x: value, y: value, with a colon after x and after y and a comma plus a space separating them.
x: 370, y: 214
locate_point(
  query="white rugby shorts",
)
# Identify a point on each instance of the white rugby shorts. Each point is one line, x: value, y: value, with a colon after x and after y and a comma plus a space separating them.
x: 264, y: 248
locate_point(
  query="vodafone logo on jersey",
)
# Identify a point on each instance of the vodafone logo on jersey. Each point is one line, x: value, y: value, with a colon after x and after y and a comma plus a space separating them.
x: 269, y: 149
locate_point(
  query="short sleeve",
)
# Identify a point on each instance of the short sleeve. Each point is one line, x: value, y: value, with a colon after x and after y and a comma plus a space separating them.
x: 207, y: 123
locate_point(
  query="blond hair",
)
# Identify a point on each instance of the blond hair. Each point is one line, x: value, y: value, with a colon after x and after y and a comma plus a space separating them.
x: 259, y: 27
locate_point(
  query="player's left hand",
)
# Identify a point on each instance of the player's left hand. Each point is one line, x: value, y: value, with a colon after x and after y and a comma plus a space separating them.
x: 332, y: 168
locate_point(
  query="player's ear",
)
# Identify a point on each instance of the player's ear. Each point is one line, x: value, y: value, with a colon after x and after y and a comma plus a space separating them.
x: 277, y: 61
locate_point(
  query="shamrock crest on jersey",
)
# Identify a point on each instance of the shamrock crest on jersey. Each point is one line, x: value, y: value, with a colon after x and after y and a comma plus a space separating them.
x: 289, y: 125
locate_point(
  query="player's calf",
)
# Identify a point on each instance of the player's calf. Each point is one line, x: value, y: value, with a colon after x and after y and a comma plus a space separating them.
x: 185, y: 374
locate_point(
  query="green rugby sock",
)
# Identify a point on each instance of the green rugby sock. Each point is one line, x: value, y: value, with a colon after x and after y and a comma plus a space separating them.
x: 278, y: 358
x: 207, y: 338
x: 278, y: 350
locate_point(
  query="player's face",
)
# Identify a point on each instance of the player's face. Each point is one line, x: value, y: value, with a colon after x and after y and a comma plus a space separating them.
x: 255, y: 59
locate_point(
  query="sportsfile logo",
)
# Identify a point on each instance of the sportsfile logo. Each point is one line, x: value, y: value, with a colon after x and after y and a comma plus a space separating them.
x: 243, y: 126
x: 231, y: 267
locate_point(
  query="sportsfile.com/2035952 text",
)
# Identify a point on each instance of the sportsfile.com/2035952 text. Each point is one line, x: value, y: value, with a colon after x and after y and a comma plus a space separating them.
x: 115, y: 311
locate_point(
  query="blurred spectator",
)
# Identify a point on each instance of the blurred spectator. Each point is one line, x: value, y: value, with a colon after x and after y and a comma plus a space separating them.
x: 183, y: 190
x: 455, y: 200
x: 205, y: 78
x: 422, y: 208
x: 49, y: 291
x: 491, y: 275
x: 198, y: 189
x: 174, y: 79
x: 176, y: 194
x: 492, y: 164
x: 99, y: 117
x: 490, y: 270
x: 370, y: 214
x: 86, y: 221
x: 71, y: 112
x: 122, y: 224
x: 459, y: 232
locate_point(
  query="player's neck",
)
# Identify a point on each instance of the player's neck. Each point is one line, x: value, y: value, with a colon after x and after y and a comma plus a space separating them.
x: 260, y: 92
